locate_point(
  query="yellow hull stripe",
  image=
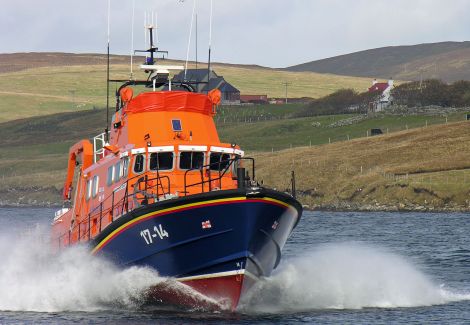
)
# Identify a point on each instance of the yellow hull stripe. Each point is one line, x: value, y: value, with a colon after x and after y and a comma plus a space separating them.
x: 180, y: 207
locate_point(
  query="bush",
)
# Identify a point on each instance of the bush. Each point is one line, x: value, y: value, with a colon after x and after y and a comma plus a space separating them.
x: 432, y: 92
x: 340, y: 102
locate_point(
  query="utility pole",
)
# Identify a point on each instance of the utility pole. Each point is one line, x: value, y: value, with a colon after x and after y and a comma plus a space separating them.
x: 286, y: 84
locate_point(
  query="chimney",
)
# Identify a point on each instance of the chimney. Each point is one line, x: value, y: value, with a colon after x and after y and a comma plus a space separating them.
x: 374, y: 81
x: 390, y: 82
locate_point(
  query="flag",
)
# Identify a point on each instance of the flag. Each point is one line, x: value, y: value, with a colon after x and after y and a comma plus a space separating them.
x: 206, y: 224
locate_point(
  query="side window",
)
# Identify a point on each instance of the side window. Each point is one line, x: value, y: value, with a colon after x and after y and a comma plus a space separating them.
x: 219, y: 161
x: 117, y: 172
x: 236, y: 164
x: 161, y: 161
x: 139, y: 163
x: 125, y: 166
x: 191, y: 160
x: 95, y: 186
x: 89, y: 184
x: 109, y: 179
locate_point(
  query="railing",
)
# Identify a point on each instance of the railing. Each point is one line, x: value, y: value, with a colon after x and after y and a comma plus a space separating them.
x: 144, y: 190
x: 221, y: 173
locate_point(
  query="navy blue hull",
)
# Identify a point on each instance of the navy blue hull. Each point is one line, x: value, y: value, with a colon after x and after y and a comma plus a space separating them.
x: 223, y: 234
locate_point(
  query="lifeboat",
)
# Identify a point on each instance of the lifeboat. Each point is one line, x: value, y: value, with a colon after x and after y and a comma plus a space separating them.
x: 160, y: 190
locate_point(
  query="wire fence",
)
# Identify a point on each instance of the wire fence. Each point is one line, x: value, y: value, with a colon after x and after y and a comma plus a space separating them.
x: 333, y: 169
x: 327, y: 134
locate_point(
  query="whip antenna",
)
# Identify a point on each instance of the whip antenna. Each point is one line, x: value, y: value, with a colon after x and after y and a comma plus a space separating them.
x: 210, y: 44
x: 107, y: 77
x: 132, y: 41
x: 189, y: 39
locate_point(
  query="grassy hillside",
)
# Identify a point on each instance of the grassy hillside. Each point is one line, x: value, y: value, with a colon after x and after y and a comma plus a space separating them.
x: 282, y: 132
x: 449, y: 61
x: 423, y: 168
x: 407, y: 167
x: 46, y: 83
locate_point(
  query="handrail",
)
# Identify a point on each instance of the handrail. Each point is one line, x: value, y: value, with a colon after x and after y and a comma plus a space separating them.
x: 203, y: 181
x: 201, y: 171
x: 100, y: 211
x: 84, y: 226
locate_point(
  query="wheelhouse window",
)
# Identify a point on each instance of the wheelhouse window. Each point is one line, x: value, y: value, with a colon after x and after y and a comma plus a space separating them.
x: 236, y: 163
x: 89, y: 184
x: 139, y: 163
x: 110, y: 177
x: 95, y: 186
x: 191, y: 159
x: 124, y: 166
x: 117, y: 172
x: 219, y: 161
x: 161, y: 161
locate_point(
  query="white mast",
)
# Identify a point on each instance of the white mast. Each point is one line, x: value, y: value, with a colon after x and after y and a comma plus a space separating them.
x: 189, y: 40
x: 132, y: 40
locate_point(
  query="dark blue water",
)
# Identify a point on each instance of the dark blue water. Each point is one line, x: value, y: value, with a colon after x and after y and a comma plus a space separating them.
x: 347, y: 268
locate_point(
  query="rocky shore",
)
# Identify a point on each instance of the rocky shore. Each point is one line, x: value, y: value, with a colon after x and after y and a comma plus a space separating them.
x: 377, y: 207
x: 22, y: 200
x: 33, y: 196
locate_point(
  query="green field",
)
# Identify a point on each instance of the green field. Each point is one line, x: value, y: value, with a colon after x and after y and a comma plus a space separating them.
x: 420, y: 169
x: 419, y: 160
x: 51, y: 89
x: 33, y: 154
x: 280, y: 132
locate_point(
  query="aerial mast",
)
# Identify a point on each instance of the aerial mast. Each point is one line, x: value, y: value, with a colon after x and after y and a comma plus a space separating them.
x: 106, y: 131
x: 209, y: 58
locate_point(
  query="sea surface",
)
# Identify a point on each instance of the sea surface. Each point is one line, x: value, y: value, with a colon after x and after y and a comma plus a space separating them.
x: 339, y: 268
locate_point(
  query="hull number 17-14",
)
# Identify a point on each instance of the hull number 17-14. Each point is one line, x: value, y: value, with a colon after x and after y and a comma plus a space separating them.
x: 150, y: 236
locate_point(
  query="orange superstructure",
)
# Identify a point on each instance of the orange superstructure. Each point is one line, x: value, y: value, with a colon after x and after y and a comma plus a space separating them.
x: 161, y: 145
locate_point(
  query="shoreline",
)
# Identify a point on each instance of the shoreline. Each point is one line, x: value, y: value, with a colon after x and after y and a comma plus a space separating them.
x: 344, y: 207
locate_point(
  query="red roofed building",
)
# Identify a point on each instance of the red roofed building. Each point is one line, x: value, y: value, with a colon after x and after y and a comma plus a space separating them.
x: 383, y: 89
x: 254, y: 99
x: 378, y: 86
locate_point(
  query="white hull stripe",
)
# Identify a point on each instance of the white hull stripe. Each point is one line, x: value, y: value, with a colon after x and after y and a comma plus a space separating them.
x: 218, y: 275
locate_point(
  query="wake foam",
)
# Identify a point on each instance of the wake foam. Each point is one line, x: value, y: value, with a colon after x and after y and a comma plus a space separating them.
x: 346, y: 276
x: 33, y: 278
x: 340, y: 276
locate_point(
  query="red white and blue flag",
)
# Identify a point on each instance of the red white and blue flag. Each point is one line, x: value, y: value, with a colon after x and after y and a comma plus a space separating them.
x: 206, y: 224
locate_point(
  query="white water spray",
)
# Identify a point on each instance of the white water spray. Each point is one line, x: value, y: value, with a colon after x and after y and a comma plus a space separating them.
x: 32, y: 278
x: 346, y: 276
x: 342, y: 276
